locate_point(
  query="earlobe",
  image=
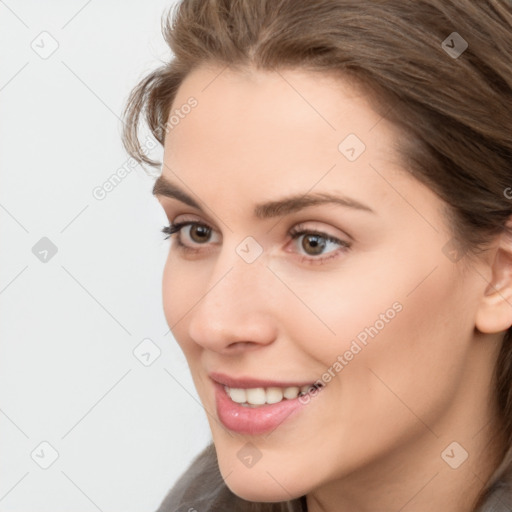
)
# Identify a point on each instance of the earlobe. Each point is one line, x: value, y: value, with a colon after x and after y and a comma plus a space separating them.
x: 495, y: 311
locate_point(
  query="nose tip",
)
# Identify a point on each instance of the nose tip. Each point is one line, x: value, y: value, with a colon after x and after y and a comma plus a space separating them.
x: 221, y: 328
x: 235, y: 313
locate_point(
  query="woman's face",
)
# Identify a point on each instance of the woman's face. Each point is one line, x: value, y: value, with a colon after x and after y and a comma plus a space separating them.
x: 360, y: 293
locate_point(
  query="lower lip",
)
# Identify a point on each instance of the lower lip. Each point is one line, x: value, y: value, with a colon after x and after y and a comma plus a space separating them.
x: 253, y: 420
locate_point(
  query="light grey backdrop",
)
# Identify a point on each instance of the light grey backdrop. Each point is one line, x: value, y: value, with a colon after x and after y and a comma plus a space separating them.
x: 90, y: 418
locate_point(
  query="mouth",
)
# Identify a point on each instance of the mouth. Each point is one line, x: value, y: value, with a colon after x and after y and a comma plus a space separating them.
x: 253, y: 406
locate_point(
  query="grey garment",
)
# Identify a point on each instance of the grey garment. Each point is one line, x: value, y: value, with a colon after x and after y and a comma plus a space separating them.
x: 201, y: 488
x: 500, y: 498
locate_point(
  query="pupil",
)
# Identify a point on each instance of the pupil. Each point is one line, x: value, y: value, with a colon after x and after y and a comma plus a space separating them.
x: 315, y: 243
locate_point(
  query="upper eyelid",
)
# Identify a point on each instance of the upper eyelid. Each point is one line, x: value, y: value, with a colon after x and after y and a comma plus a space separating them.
x: 296, y: 228
x: 175, y: 211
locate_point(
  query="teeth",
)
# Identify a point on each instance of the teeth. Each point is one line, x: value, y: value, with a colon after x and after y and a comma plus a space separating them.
x: 305, y: 389
x: 256, y: 396
x: 274, y: 395
x: 237, y: 395
x: 260, y: 396
x: 291, y: 393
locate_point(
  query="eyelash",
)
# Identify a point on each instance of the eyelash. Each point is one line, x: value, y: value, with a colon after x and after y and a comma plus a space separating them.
x: 295, y: 233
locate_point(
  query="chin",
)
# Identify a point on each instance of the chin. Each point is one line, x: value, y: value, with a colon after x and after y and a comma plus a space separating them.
x: 261, y: 484
x: 259, y: 491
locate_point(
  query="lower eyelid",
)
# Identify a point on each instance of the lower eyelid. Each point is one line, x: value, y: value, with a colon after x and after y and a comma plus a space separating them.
x: 321, y: 260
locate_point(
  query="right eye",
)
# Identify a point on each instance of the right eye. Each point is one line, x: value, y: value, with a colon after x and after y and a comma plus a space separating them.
x: 198, y: 233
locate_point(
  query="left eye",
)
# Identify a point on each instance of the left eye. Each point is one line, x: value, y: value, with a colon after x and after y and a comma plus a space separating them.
x: 314, y: 243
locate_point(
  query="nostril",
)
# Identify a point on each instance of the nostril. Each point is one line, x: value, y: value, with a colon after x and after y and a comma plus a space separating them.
x: 242, y: 345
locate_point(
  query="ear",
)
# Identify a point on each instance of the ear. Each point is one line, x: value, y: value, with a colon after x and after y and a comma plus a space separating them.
x: 494, y: 313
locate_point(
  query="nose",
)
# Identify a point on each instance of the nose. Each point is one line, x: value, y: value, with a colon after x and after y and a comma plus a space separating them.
x: 237, y: 311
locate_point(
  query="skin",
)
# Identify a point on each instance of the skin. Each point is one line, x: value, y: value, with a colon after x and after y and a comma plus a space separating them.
x: 374, y: 436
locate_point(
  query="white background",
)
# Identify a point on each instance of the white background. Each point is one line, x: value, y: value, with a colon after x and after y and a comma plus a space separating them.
x: 123, y: 431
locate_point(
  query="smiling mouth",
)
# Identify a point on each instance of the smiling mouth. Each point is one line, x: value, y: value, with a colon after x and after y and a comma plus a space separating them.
x: 256, y: 397
x: 253, y: 406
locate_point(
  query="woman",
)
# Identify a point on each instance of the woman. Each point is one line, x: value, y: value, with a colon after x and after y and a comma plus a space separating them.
x: 337, y: 176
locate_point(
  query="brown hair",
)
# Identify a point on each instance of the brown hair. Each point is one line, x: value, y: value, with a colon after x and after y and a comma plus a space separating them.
x: 455, y: 110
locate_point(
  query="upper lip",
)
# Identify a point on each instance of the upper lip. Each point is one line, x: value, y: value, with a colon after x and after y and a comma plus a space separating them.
x: 249, y: 382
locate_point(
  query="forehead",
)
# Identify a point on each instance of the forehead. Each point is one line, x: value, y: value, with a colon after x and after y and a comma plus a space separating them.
x: 262, y: 119
x: 302, y: 98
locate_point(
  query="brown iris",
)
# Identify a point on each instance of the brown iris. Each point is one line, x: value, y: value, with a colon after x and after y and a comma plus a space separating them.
x: 316, y: 243
x: 202, y: 232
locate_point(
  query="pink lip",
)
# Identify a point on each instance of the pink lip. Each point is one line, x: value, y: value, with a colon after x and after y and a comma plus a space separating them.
x: 257, y: 420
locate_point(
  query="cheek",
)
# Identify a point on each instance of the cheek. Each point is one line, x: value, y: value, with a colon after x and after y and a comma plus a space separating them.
x: 358, y: 301
x: 172, y: 289
x: 411, y: 366
x: 383, y: 330
x: 422, y: 353
x: 181, y: 289
x: 371, y: 295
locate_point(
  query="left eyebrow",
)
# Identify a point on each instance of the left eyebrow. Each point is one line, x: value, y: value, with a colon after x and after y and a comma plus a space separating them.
x: 269, y: 209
